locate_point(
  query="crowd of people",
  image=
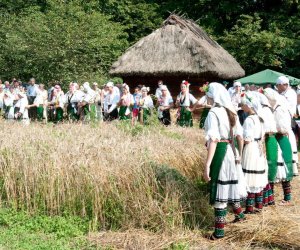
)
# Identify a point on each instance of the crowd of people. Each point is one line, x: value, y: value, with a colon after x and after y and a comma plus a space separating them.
x: 251, y: 146
x: 31, y: 102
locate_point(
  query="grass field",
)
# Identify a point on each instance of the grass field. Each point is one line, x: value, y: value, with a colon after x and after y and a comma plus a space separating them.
x: 111, y: 186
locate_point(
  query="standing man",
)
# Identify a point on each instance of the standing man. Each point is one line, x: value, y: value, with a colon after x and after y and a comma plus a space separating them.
x: 290, y: 95
x: 31, y: 95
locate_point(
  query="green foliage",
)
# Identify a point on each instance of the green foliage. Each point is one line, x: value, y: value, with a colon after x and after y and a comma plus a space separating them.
x: 65, y: 43
x: 56, y: 40
x: 258, y: 48
x: 19, y: 230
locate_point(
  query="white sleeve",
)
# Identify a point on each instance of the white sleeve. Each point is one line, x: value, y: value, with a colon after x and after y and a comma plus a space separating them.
x: 283, y: 120
x: 193, y: 100
x: 248, y: 129
x: 212, y: 130
x: 150, y: 102
x: 170, y: 101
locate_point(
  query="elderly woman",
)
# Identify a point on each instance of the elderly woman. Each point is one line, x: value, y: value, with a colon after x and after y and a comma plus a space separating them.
x: 221, y: 168
x: 284, y: 173
x: 184, y: 101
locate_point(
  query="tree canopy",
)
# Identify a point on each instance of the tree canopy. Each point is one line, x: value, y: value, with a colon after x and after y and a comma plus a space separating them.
x: 66, y: 40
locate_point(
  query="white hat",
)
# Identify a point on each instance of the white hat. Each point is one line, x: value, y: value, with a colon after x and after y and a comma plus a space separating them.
x: 109, y: 84
x: 282, y: 80
x: 237, y: 84
x: 145, y: 89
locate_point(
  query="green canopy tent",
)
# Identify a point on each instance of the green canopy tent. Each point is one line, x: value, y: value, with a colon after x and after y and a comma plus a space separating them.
x: 265, y: 77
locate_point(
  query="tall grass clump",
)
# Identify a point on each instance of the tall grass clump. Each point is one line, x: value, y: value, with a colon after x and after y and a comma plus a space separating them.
x: 117, y: 176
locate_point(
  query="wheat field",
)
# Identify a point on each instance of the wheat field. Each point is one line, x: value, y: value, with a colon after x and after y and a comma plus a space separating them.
x: 139, y: 187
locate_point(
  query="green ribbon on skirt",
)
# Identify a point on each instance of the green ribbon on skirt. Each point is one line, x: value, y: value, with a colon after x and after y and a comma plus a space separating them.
x: 146, y: 114
x: 40, y: 113
x: 59, y: 115
x: 272, y: 156
x: 93, y: 112
x: 122, y: 113
x: 215, y: 168
x: 203, y: 117
x: 287, y: 154
x: 185, y: 119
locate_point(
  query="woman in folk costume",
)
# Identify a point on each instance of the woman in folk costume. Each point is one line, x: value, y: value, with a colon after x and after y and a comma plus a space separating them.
x: 57, y: 104
x: 165, y: 102
x: 184, y: 101
x: 22, y: 111
x: 284, y: 172
x: 126, y: 101
x: 87, y: 105
x: 110, y: 104
x: 253, y: 161
x: 221, y: 128
x: 146, y: 105
x: 270, y: 130
x: 8, y: 101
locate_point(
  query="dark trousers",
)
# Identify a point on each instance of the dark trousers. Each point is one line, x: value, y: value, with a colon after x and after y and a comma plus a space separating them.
x: 32, y: 112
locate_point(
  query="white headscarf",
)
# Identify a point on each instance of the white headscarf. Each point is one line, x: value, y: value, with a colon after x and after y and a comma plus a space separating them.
x: 252, y: 101
x: 278, y: 99
x: 220, y: 95
x: 261, y: 98
x: 145, y: 89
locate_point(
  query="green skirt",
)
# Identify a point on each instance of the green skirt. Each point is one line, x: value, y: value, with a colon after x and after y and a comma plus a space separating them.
x: 185, y: 119
x: 215, y: 168
x: 122, y: 113
x: 146, y: 114
x: 272, y: 156
x: 203, y: 117
x: 93, y: 112
x: 40, y: 113
x: 287, y: 154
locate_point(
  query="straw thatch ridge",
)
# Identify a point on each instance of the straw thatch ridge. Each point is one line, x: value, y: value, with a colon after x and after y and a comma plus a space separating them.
x: 180, y: 47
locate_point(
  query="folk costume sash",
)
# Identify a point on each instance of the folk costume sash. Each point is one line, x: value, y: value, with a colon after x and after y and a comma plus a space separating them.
x: 287, y: 154
x: 215, y: 168
x: 272, y: 156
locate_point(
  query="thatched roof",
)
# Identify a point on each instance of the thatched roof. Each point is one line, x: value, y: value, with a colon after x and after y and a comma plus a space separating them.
x: 180, y: 47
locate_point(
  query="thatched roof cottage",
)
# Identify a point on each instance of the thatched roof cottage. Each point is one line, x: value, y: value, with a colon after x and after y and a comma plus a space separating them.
x: 179, y: 50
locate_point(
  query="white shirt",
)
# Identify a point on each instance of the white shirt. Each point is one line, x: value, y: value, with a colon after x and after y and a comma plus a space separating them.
x: 269, y: 124
x: 253, y: 128
x: 158, y: 93
x: 147, y: 102
x: 187, y: 100
x: 291, y: 97
x: 111, y: 100
x: 217, y: 125
x: 236, y: 100
x: 282, y: 119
